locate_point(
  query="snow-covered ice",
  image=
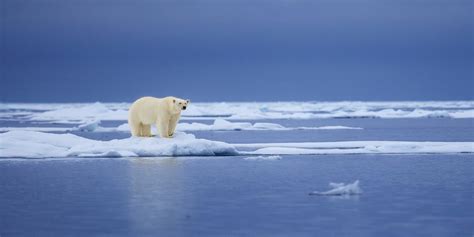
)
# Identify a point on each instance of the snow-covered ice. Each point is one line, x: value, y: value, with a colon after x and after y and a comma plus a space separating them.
x: 356, y: 147
x: 332, y: 128
x: 89, y: 126
x: 86, y: 126
x: 82, y: 112
x: 339, y: 189
x: 37, y: 129
x: 218, y: 125
x: 247, y: 111
x: 275, y: 157
x: 29, y: 144
x: 224, y: 125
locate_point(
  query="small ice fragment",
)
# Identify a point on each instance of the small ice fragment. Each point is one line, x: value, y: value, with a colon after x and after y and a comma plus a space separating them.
x: 340, y: 189
x: 263, y: 158
x: 89, y: 126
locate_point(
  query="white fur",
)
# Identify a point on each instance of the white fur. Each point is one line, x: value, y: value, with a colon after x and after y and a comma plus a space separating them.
x: 163, y: 112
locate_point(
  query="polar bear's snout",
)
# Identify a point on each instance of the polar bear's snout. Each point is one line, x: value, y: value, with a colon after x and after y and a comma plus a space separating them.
x: 184, y: 107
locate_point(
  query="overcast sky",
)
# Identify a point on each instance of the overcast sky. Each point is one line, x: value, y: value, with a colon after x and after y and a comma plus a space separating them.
x: 236, y: 50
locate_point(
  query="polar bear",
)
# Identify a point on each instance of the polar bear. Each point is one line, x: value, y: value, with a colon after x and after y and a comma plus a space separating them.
x: 164, y: 112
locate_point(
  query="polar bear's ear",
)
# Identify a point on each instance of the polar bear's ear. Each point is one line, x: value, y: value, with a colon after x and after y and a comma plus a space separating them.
x: 188, y: 101
x: 174, y: 101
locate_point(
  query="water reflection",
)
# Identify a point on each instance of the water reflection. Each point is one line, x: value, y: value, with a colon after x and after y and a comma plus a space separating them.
x: 156, y: 193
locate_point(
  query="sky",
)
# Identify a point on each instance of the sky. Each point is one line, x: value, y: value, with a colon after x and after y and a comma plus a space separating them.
x: 236, y: 50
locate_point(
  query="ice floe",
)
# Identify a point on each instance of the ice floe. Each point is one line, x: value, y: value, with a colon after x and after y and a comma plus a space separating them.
x: 276, y: 157
x: 340, y: 189
x: 32, y: 144
x: 217, y: 125
x: 247, y: 111
x: 356, y: 147
x: 29, y: 144
x: 87, y: 126
x: 37, y: 129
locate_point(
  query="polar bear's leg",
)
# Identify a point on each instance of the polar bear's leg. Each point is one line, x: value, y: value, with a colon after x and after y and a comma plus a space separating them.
x: 134, y: 128
x: 140, y: 130
x: 163, y: 128
x: 146, y: 130
x: 172, y: 125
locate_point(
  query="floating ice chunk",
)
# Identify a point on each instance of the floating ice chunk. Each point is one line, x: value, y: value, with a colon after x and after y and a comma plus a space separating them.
x: 112, y: 153
x: 181, y: 145
x: 340, y: 189
x: 222, y: 124
x: 28, y: 144
x: 270, y: 126
x: 463, y: 114
x: 89, y: 126
x: 263, y: 158
x: 333, y: 128
x: 357, y: 147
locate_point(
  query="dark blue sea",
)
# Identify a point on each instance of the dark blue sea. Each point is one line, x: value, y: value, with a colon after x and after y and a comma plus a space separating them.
x: 403, y: 195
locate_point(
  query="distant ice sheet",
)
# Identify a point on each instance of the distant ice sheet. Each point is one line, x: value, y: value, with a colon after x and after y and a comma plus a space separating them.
x: 80, y: 113
x: 246, y: 111
x: 340, y: 189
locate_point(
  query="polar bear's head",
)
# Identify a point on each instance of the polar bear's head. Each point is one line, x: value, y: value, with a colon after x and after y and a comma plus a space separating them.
x: 180, y: 104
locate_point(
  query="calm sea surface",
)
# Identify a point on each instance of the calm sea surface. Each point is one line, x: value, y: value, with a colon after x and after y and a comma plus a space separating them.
x: 403, y: 195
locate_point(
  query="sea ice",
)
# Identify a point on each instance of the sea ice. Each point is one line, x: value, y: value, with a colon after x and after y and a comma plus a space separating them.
x: 248, y: 111
x: 224, y: 125
x: 37, y: 129
x: 263, y: 158
x: 357, y: 147
x: 339, y: 189
x: 29, y: 144
x: 218, y: 125
x: 82, y: 112
x: 89, y: 126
